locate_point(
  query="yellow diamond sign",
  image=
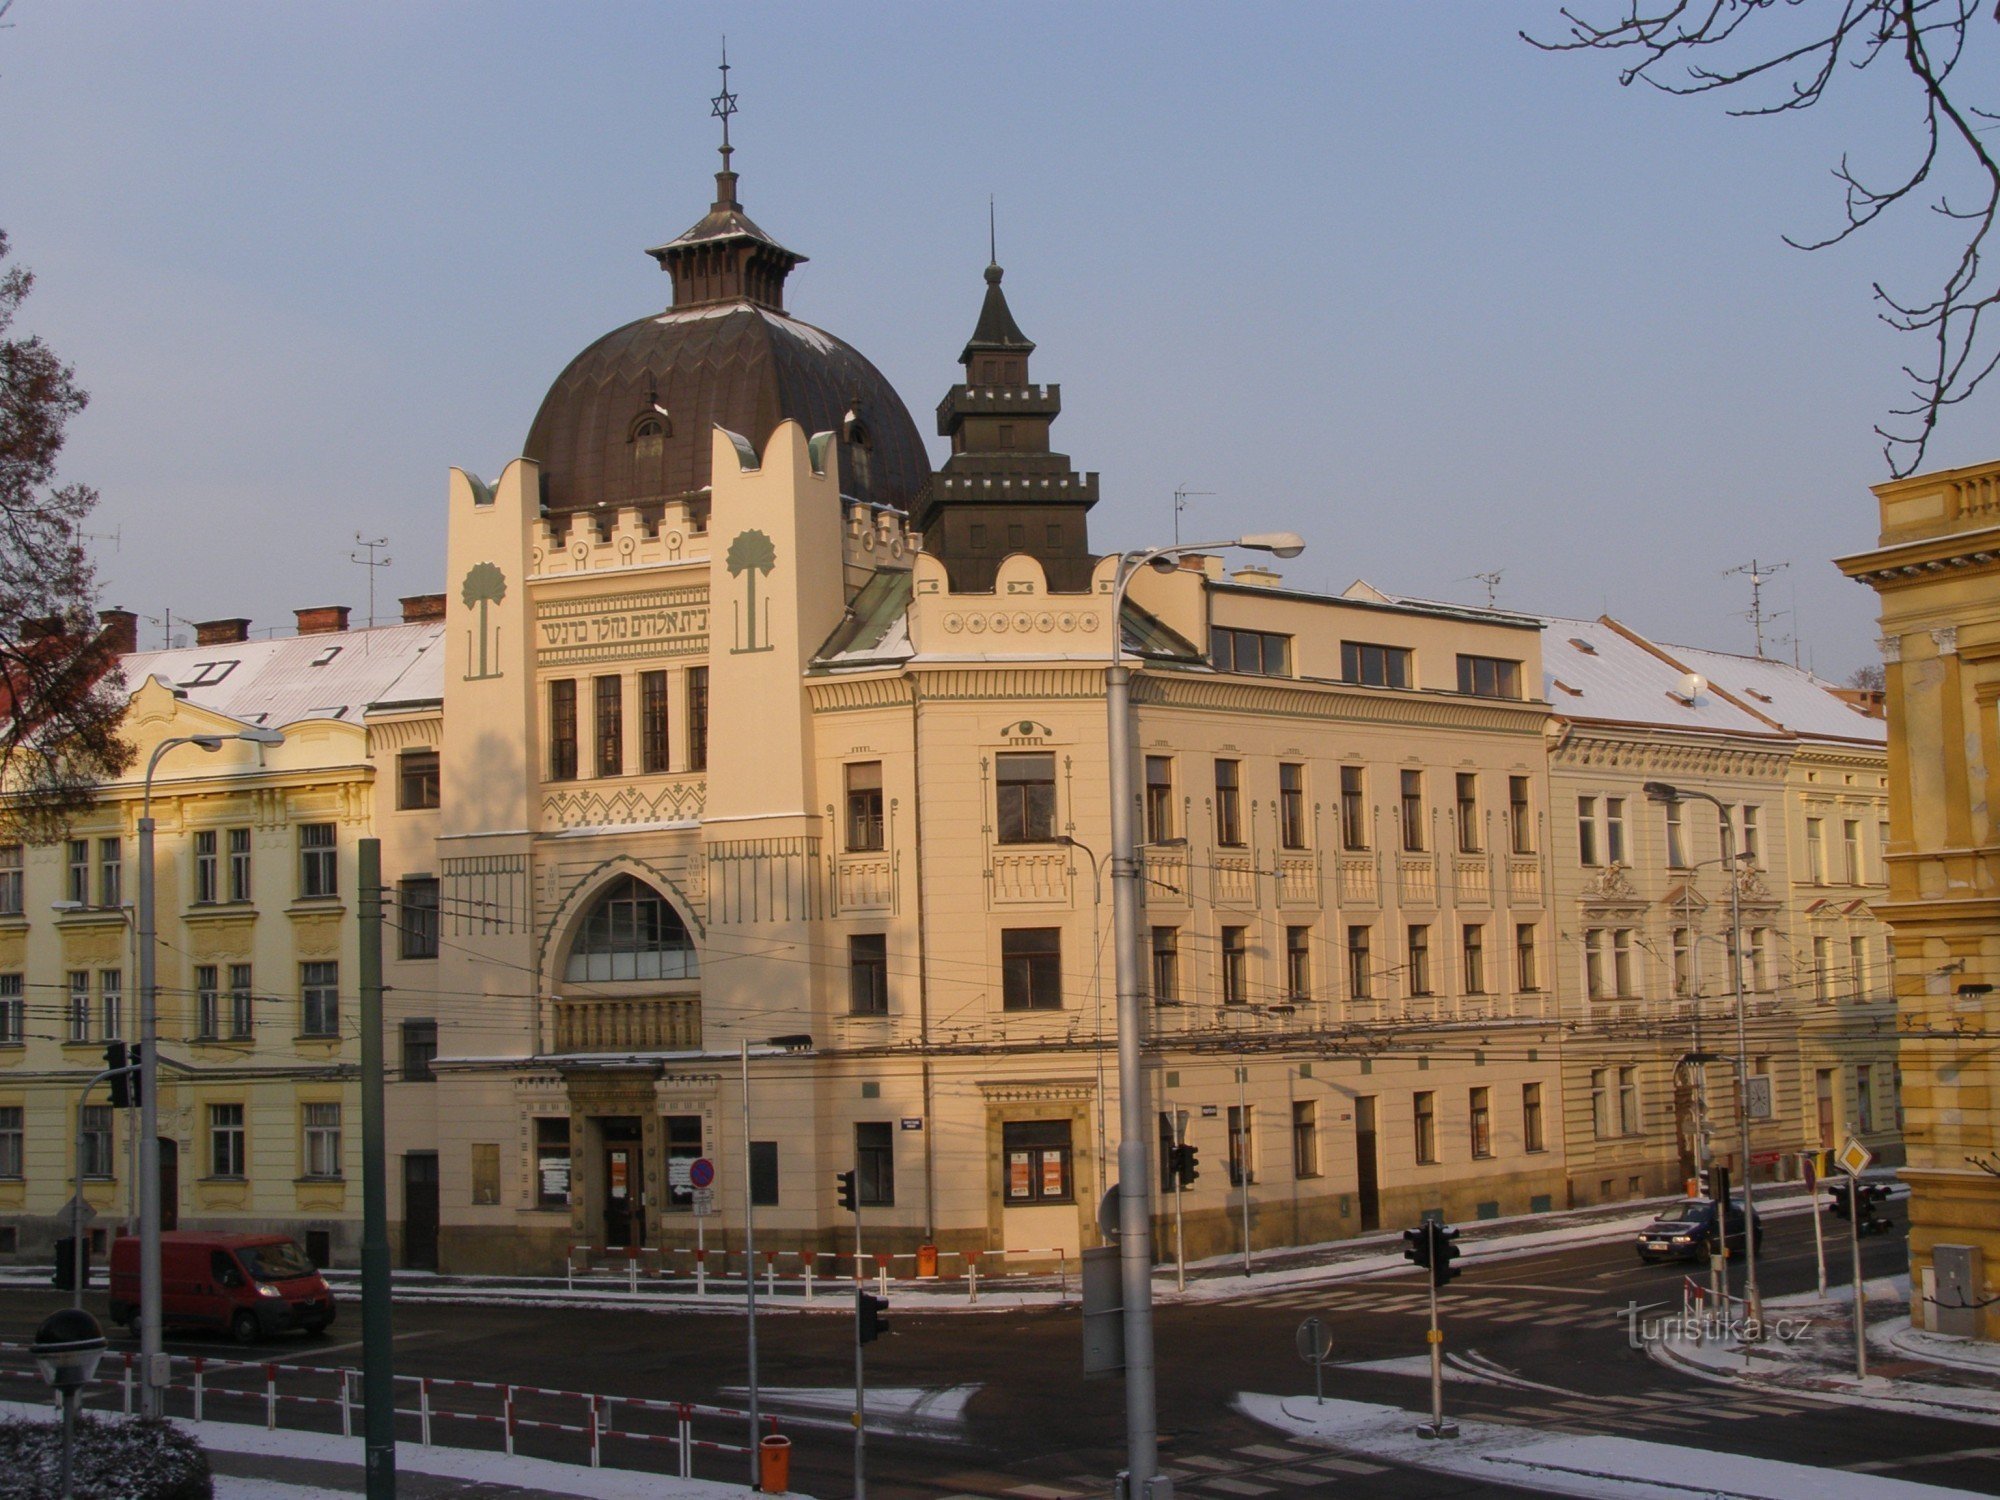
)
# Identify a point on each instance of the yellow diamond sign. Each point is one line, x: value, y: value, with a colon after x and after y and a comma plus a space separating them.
x: 1854, y: 1157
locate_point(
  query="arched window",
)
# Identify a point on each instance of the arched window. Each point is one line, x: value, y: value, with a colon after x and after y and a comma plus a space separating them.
x: 631, y: 933
x: 648, y: 438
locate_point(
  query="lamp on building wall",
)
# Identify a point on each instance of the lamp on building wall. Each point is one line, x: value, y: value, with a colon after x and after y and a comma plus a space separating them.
x: 152, y: 1359
x: 1135, y: 1241
x: 1733, y: 860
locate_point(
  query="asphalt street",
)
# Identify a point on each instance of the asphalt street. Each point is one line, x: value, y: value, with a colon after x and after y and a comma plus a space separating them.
x: 995, y: 1405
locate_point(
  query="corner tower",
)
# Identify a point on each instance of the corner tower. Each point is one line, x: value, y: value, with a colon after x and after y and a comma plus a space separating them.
x: 1004, y: 490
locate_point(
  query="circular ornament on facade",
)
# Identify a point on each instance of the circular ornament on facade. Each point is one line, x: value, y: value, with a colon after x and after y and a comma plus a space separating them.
x: 627, y: 545
x: 673, y: 539
x: 1067, y: 620
x: 975, y: 623
x: 1088, y: 622
x: 580, y: 551
x: 867, y: 541
x: 1024, y: 622
x: 1045, y: 622
x: 895, y: 546
x: 535, y: 555
x: 954, y: 623
x: 999, y: 624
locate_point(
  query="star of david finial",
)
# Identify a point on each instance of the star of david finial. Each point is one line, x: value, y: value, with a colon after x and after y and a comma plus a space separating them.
x: 723, y: 105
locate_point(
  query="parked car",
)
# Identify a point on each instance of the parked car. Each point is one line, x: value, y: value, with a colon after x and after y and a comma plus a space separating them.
x: 248, y: 1284
x: 1687, y: 1230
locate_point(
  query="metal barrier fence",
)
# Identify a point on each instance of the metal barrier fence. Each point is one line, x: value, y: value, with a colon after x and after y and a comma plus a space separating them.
x: 250, y: 1390
x: 594, y: 1265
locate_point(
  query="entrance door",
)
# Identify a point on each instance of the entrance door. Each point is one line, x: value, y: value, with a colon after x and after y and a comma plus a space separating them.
x: 1367, y: 1186
x: 170, y: 1184
x: 420, y: 1210
x: 622, y: 1222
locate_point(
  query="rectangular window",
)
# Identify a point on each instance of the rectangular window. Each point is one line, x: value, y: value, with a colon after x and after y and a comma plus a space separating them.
x: 207, y: 869
x: 1677, y: 856
x: 1298, y: 965
x: 239, y: 864
x: 1527, y: 964
x: 868, y: 974
x: 1025, y: 786
x: 110, y: 872
x: 1242, y: 1146
x: 552, y: 1162
x: 322, y: 1139
x: 1166, y: 965
x: 1593, y: 963
x: 1291, y: 805
x: 485, y: 1158
x: 697, y: 717
x: 1829, y: 1115
x: 1235, y: 965
x: 1360, y: 964
x: 1532, y: 1136
x: 95, y: 1129
x: 1031, y: 968
x: 319, y: 998
x: 1256, y: 652
x: 319, y: 860
x: 13, y: 1138
x: 1600, y: 1103
x: 1481, y: 1122
x: 1857, y: 967
x: 1424, y: 1111
x: 1473, y: 949
x: 13, y: 1010
x: 1353, y: 808
x: 76, y: 886
x: 79, y: 1005
x: 13, y: 864
x: 417, y: 917
x: 1419, y: 958
x: 1159, y: 798
x: 241, y: 1002
x: 1752, y: 839
x: 1850, y: 849
x: 1229, y: 803
x: 1864, y: 1098
x: 864, y: 806
x: 609, y: 725
x: 1759, y: 977
x: 1489, y: 677
x: 875, y: 1164
x: 1614, y: 830
x: 1520, y: 816
x: 1816, y: 850
x: 562, y: 729
x: 417, y: 782
x: 1628, y: 1101
x: 763, y: 1174
x: 1374, y: 666
x: 111, y: 1002
x: 684, y: 1144
x: 1621, y: 962
x: 653, y: 739
x: 1468, y: 812
x: 1822, y: 970
x: 1037, y: 1153
x: 1683, y: 963
x: 226, y: 1156
x: 1586, y: 831
x: 1413, y: 811
x: 420, y: 1050
x: 1305, y: 1138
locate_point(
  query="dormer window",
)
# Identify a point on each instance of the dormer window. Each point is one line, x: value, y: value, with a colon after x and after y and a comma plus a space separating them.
x: 650, y: 431
x: 325, y: 656
x: 208, y: 674
x: 854, y: 432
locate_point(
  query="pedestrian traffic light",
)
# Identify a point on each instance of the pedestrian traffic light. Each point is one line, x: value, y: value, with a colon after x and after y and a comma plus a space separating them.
x: 121, y: 1081
x: 1417, y: 1245
x: 846, y: 1181
x: 1444, y: 1250
x: 1184, y: 1165
x: 869, y: 1324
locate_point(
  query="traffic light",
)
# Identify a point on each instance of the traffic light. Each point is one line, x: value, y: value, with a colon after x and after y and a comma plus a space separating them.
x: 122, y: 1095
x: 1444, y: 1250
x: 1866, y: 1196
x: 869, y: 1324
x: 1842, y: 1205
x: 847, y: 1199
x: 1184, y: 1165
x: 1417, y: 1245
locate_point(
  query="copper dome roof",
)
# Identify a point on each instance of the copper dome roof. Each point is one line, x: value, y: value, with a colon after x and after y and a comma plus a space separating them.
x: 629, y: 421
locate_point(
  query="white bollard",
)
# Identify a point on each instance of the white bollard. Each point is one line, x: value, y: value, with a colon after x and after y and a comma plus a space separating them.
x: 270, y: 1398
x: 701, y: 1273
x: 809, y: 1280
x: 972, y: 1279
x: 424, y: 1410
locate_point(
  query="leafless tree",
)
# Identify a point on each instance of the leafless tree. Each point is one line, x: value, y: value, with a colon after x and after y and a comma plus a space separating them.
x: 1869, y: 678
x: 61, y: 695
x: 1783, y: 56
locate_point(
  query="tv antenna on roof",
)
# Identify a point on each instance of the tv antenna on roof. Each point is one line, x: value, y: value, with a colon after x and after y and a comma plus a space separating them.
x: 1181, y: 498
x: 1759, y: 575
x: 371, y: 563
x: 1492, y: 582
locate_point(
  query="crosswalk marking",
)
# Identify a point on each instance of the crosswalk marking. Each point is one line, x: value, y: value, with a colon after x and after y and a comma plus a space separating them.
x: 1237, y: 1486
x: 1279, y: 1455
x: 1349, y: 1466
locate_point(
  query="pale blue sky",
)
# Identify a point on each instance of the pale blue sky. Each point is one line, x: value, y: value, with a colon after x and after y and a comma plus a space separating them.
x: 1377, y: 272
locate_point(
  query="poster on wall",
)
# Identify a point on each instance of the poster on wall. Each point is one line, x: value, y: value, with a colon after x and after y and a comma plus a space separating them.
x: 1020, y: 1181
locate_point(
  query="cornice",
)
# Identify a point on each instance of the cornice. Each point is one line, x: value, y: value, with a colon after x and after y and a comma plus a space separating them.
x: 1907, y: 563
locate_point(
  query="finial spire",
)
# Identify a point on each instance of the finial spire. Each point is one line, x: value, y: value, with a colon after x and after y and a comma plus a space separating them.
x: 721, y: 107
x: 992, y: 235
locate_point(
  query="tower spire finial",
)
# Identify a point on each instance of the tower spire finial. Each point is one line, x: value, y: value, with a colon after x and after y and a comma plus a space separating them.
x: 992, y: 234
x: 721, y: 107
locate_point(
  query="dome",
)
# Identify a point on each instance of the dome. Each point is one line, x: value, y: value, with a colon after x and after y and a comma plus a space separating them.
x: 630, y: 421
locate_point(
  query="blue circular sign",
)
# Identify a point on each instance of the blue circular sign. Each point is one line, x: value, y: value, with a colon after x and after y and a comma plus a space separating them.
x: 702, y: 1172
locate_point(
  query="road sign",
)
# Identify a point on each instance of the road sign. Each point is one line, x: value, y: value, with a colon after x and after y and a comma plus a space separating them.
x: 1314, y: 1340
x: 701, y: 1172
x: 704, y: 1202
x: 1809, y: 1165
x: 1107, y: 1213
x: 1854, y: 1157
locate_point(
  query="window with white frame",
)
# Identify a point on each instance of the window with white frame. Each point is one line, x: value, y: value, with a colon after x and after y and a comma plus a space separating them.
x: 242, y: 1003
x: 110, y: 872
x: 94, y: 1133
x: 76, y: 872
x: 1587, y: 851
x: 319, y: 999
x: 321, y: 1123
x: 13, y: 1139
x: 13, y: 869
x: 79, y: 1005
x: 13, y: 1010
x: 319, y: 855
x: 207, y: 1002
x: 239, y: 864
x: 1600, y: 1104
x: 1614, y: 830
x: 1628, y: 1101
x: 1594, y: 986
x: 1621, y: 961
x: 226, y: 1155
x: 111, y: 1002
x: 207, y: 868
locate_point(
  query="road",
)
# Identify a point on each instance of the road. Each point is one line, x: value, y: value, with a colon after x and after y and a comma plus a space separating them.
x: 1032, y: 1429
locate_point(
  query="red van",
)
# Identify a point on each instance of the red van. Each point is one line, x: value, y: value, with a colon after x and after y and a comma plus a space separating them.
x: 249, y: 1284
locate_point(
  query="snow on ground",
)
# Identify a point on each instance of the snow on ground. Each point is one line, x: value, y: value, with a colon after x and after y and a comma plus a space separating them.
x: 534, y: 1475
x: 1607, y: 1468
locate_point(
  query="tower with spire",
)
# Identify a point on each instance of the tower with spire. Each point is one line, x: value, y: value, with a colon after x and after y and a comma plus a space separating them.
x: 1003, y: 489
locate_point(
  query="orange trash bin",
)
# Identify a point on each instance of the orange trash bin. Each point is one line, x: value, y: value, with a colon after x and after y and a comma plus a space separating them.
x: 927, y: 1260
x: 774, y: 1465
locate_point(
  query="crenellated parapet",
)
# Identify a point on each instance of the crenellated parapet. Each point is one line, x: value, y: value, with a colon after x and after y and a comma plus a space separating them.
x: 1022, y: 615
x: 633, y: 536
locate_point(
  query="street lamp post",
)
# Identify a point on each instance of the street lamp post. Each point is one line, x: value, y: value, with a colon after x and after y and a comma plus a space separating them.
x: 1142, y: 1479
x: 152, y: 1358
x: 1732, y: 859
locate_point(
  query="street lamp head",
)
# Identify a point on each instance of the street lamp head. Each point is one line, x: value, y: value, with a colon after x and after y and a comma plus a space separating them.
x: 67, y: 1348
x: 210, y: 742
x: 261, y: 736
x: 1281, y: 543
x: 1661, y: 791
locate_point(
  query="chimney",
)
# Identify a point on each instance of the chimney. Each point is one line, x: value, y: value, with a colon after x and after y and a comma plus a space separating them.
x: 1257, y: 577
x: 221, y: 632
x: 420, y: 609
x: 325, y: 620
x: 119, y: 630
x: 1205, y: 563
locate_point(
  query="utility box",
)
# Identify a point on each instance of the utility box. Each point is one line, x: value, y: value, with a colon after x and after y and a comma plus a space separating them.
x: 1961, y: 1287
x: 1103, y: 1312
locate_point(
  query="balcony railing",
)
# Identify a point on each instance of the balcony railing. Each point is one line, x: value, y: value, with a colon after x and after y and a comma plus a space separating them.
x: 652, y: 1023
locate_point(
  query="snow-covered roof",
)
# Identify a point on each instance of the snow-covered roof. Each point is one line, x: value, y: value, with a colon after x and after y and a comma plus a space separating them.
x: 1789, y: 695
x: 333, y: 675
x: 1592, y: 671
